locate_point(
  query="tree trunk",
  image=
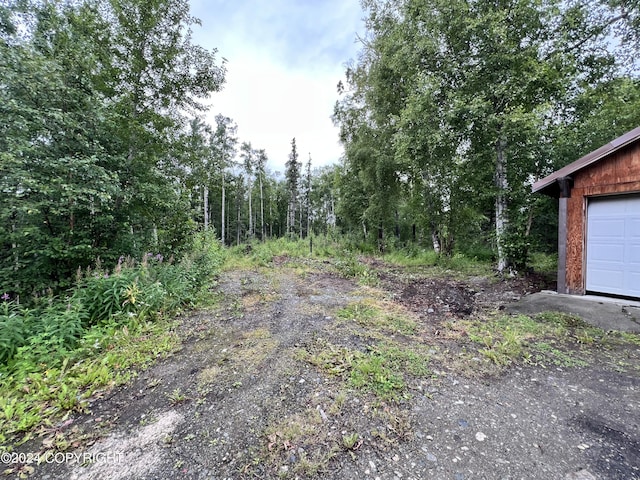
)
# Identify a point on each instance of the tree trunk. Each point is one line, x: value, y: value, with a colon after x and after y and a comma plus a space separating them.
x: 300, y: 220
x: 380, y: 238
x: 250, y: 213
x: 271, y: 215
x: 16, y: 257
x: 222, y: 225
x: 205, y: 208
x: 502, y: 219
x: 262, y: 231
x: 309, y: 216
x: 238, y: 221
x: 435, y: 239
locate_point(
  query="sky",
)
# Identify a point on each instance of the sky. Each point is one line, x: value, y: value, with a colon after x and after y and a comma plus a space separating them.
x: 284, y: 61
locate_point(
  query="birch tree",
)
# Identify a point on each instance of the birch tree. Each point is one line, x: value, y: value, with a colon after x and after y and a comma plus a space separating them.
x: 224, y: 143
x: 261, y: 162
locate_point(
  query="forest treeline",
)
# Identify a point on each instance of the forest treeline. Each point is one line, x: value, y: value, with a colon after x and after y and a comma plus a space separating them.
x: 454, y: 108
x: 450, y: 112
x: 104, y: 150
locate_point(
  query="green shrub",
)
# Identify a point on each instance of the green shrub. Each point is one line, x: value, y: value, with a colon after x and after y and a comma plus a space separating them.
x: 54, y: 355
x: 13, y: 331
x: 103, y: 296
x: 204, y: 261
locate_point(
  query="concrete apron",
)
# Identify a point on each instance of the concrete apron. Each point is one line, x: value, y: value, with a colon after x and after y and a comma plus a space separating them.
x: 603, y: 312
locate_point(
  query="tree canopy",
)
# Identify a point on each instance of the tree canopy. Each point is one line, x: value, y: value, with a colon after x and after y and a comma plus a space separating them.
x: 448, y: 115
x: 454, y: 108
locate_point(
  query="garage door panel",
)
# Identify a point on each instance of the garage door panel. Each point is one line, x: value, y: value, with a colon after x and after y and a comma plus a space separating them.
x: 603, y: 228
x: 633, y: 279
x: 608, y: 252
x: 606, y: 278
x: 613, y: 245
x: 634, y: 254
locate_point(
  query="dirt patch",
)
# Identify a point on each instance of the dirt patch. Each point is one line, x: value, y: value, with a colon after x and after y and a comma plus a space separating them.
x: 438, y: 297
x: 308, y: 375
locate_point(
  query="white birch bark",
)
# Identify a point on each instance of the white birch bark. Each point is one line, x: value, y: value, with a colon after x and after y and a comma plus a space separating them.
x: 502, y: 219
x: 205, y: 208
x: 222, y: 224
x: 262, y: 234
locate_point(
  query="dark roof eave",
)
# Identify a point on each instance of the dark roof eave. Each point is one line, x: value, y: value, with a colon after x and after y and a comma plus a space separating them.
x: 549, y: 184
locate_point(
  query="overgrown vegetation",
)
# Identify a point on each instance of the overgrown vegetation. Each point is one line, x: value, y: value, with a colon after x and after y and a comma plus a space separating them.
x: 544, y: 340
x: 443, y: 140
x: 61, y: 352
x: 383, y: 369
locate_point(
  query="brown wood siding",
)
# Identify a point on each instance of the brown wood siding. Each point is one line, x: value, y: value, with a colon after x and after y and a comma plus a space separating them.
x: 619, y: 173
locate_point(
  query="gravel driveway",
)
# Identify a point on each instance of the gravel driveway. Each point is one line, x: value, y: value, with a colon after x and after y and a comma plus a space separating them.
x: 290, y: 377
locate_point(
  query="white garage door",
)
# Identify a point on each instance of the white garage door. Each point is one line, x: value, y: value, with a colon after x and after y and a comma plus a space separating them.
x: 613, y: 245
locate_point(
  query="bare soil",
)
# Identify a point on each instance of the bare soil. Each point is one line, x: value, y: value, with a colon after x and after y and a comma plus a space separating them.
x: 248, y: 394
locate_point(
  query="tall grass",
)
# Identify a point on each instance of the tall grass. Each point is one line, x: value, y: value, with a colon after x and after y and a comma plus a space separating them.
x: 54, y: 355
x: 263, y: 253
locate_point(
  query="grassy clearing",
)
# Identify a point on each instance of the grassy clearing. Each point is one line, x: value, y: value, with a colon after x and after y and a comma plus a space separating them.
x: 382, y: 370
x: 458, y: 263
x: 262, y: 254
x: 378, y: 316
x: 547, y: 339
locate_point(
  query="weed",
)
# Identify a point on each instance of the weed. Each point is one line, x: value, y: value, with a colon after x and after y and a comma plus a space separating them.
x: 381, y: 370
x: 351, y: 441
x: 370, y: 373
x: 176, y: 397
x: 615, y: 337
x: 300, y: 436
x: 338, y: 403
x: 31, y: 394
x: 350, y: 267
x: 153, y: 383
x: 385, y: 319
x: 543, y: 339
x: 544, y: 354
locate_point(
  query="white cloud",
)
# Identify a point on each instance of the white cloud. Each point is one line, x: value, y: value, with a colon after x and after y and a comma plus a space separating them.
x: 285, y: 58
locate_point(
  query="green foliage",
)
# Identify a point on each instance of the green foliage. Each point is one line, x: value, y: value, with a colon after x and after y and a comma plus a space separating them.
x: 44, y: 384
x: 371, y: 316
x: 104, y: 296
x: 93, y: 165
x: 204, y: 260
x: 411, y: 257
x: 540, y: 340
x: 13, y: 329
x: 57, y: 354
x: 544, y: 263
x: 281, y: 249
x: 349, y: 266
x: 443, y: 140
x: 370, y: 372
x: 381, y: 370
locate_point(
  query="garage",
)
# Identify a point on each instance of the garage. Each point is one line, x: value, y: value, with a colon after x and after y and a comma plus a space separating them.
x: 599, y: 219
x: 613, y: 245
